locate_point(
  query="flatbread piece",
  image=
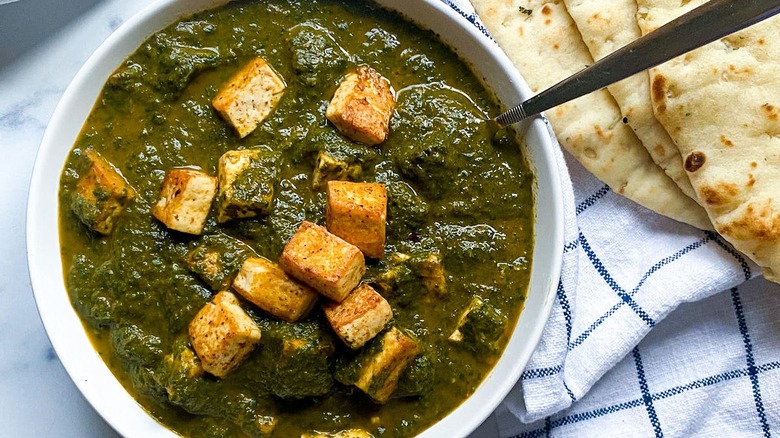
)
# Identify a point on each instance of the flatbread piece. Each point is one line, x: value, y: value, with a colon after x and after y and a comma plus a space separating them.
x: 721, y: 105
x: 606, y: 26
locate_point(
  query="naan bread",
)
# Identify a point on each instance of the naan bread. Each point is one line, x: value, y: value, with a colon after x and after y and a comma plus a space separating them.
x: 721, y: 105
x: 543, y: 43
x: 608, y: 25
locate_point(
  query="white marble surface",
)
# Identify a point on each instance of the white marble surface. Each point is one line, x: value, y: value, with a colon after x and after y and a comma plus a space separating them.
x: 43, y: 43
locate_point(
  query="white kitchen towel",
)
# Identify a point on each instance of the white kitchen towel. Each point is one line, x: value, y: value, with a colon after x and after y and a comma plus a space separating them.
x: 710, y: 369
x: 625, y: 269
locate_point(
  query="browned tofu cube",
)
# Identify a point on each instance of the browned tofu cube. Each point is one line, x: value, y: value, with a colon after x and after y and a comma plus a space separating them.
x: 360, y: 317
x: 222, y: 334
x: 101, y: 194
x: 249, y: 96
x: 266, y: 285
x: 362, y: 106
x: 357, y: 212
x: 185, y: 200
x: 246, y: 182
x: 379, y: 366
x: 324, y: 261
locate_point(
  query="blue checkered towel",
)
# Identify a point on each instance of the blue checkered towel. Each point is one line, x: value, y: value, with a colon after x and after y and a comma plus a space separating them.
x: 625, y: 270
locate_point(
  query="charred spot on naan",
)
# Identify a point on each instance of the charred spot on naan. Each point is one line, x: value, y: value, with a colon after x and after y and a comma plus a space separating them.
x: 757, y: 222
x: 721, y: 196
x: 694, y: 161
x: 546, y: 10
x: 658, y: 89
x: 660, y: 150
x: 601, y: 133
x: 771, y: 112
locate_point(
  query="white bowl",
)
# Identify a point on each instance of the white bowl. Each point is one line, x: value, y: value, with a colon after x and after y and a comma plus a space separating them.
x: 64, y: 328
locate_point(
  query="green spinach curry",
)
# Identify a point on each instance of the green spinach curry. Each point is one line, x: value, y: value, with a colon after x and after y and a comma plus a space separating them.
x: 459, y: 192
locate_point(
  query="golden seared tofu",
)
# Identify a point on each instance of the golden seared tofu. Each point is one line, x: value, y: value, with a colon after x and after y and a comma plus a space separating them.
x: 246, y: 183
x: 324, y: 261
x: 329, y: 168
x: 357, y: 212
x: 222, y: 334
x: 185, y: 200
x: 362, y: 105
x: 347, y: 433
x: 249, y: 96
x: 101, y: 194
x: 378, y: 368
x: 265, y: 284
x: 360, y: 317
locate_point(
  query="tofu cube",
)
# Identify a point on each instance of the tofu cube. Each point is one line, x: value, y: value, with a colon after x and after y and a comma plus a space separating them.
x: 249, y: 96
x: 178, y: 369
x: 216, y: 259
x: 360, y: 317
x: 267, y: 286
x: 357, y: 212
x: 416, y: 277
x: 329, y: 168
x: 185, y: 200
x: 378, y: 368
x: 479, y: 327
x: 324, y: 261
x: 184, y: 362
x: 246, y: 183
x: 418, y: 378
x: 101, y: 194
x: 208, y: 267
x: 362, y: 105
x: 222, y: 334
x: 298, y: 359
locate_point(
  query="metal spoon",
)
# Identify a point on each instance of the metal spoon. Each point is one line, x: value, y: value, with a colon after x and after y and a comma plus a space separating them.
x: 710, y: 21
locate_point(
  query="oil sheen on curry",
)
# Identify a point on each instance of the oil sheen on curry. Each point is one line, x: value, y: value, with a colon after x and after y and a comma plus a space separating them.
x: 290, y: 219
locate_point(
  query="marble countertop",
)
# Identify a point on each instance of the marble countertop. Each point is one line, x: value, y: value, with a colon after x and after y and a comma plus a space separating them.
x: 43, y: 43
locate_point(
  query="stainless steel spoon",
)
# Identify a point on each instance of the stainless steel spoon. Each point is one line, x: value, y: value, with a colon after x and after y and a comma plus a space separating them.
x: 710, y: 21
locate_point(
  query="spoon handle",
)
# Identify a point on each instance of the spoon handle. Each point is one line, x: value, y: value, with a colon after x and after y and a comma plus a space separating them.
x: 706, y: 23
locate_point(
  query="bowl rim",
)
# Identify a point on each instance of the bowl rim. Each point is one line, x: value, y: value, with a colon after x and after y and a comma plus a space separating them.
x: 65, y: 330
